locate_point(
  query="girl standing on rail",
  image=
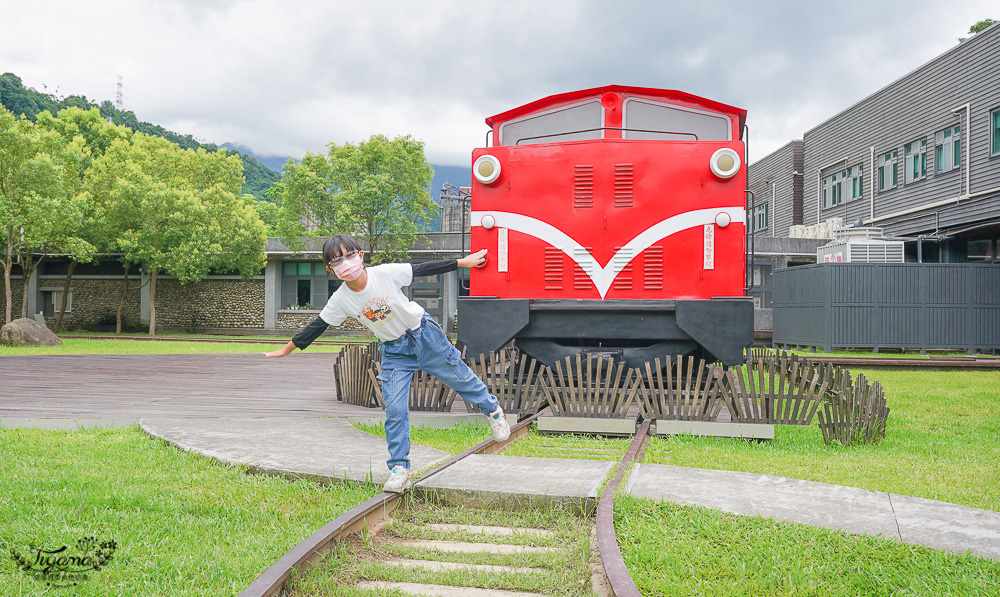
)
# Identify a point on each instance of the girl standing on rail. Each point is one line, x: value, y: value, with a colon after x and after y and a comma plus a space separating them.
x: 409, y: 339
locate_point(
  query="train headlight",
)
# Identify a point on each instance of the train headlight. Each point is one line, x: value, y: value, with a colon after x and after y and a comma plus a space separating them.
x: 725, y: 163
x: 486, y: 169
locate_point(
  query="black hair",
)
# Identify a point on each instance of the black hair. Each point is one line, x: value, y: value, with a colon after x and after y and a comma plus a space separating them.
x: 337, y: 245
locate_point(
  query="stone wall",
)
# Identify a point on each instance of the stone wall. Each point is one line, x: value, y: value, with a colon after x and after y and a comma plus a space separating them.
x: 210, y: 303
x: 17, y: 291
x: 95, y: 302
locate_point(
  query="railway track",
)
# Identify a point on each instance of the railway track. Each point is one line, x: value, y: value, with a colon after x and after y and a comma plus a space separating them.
x: 376, y: 511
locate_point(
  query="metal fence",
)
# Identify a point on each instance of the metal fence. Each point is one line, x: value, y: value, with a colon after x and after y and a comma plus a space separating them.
x: 899, y: 305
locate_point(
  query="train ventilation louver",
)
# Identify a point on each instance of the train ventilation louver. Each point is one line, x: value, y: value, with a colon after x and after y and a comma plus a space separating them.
x: 583, y: 186
x: 582, y: 275
x: 624, y: 178
x: 553, y: 268
x: 652, y: 269
x: 623, y: 260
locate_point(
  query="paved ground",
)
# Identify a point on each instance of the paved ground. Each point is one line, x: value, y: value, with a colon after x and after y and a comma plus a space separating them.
x: 333, y: 448
x: 325, y: 449
x: 187, y: 385
x: 263, y: 412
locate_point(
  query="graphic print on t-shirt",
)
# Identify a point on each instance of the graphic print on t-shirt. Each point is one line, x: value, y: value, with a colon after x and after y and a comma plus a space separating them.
x: 376, y: 311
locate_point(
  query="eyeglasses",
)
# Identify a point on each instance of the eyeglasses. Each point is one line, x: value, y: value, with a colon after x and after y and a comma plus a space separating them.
x: 336, y: 261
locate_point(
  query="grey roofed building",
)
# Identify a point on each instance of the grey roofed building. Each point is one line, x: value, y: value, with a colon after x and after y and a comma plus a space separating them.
x: 919, y: 158
x: 288, y: 293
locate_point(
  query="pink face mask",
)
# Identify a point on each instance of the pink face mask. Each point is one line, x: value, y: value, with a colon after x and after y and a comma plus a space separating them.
x: 350, y: 269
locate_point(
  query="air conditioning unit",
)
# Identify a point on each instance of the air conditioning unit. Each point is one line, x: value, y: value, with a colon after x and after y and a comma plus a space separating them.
x: 860, y: 245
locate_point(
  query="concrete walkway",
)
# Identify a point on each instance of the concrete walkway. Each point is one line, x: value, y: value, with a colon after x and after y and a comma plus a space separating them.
x: 330, y: 448
x: 916, y: 521
x: 323, y: 449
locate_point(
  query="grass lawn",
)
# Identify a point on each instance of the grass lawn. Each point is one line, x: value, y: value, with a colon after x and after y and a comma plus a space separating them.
x: 681, y: 550
x: 85, y: 346
x: 942, y: 443
x: 184, y: 525
x: 284, y: 335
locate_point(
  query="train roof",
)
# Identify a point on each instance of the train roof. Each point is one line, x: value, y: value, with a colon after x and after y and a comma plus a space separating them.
x: 671, y: 95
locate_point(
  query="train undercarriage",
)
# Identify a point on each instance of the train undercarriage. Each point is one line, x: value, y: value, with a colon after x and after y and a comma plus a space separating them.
x: 633, y: 331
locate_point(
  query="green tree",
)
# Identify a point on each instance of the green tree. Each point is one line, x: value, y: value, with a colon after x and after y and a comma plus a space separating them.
x: 267, y: 211
x: 179, y: 212
x: 40, y: 200
x: 375, y: 190
x: 979, y: 26
x: 97, y: 135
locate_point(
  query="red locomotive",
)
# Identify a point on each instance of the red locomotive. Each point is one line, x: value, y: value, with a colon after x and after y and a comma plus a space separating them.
x: 615, y: 220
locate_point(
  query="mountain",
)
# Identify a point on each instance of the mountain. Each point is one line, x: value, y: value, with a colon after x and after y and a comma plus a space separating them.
x: 275, y: 163
x: 22, y: 100
x: 260, y: 173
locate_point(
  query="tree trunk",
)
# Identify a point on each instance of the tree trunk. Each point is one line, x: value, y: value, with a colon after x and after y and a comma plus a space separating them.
x: 152, y: 302
x: 65, y: 296
x: 8, y: 265
x: 8, y: 297
x: 25, y: 280
x: 121, y: 304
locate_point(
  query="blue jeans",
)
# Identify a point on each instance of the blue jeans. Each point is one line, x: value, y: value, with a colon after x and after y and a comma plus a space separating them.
x: 429, y: 349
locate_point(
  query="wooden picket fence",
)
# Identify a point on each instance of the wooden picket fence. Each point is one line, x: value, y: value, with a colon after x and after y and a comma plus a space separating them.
x: 351, y: 375
x: 593, y: 387
x: 778, y: 390
x: 512, y: 377
x: 671, y: 392
x: 856, y: 413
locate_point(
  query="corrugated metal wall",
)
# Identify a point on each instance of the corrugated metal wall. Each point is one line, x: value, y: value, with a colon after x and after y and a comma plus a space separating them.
x: 910, y: 109
x: 898, y: 305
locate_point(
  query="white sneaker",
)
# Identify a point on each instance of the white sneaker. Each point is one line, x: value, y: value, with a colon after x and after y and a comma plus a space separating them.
x: 399, y: 481
x: 498, y: 423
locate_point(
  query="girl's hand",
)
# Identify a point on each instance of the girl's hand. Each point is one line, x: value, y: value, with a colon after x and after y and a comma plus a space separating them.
x: 477, y: 259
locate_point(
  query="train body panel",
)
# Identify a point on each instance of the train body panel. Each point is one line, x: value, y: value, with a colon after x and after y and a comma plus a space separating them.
x: 615, y: 220
x: 609, y: 219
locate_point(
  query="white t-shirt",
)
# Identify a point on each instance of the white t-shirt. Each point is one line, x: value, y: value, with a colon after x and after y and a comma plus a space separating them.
x: 381, y: 306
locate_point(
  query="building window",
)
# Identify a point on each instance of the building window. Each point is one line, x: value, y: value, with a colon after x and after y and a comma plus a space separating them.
x: 855, y: 183
x: 305, y: 285
x: 887, y: 171
x: 915, y: 161
x: 760, y: 217
x: 843, y: 187
x: 947, y: 149
x: 831, y: 190
x: 979, y: 250
x: 995, y: 125
x: 52, y: 301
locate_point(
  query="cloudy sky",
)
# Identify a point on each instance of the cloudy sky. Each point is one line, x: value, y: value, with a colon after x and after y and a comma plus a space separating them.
x: 283, y: 78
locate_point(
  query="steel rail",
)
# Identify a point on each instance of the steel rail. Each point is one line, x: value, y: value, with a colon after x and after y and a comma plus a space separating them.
x: 366, y: 514
x: 607, y: 543
x: 910, y: 364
